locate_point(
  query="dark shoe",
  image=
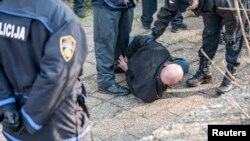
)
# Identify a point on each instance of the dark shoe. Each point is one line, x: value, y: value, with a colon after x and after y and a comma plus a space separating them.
x: 118, y: 70
x: 80, y: 12
x: 202, y: 76
x: 226, y: 84
x: 198, y: 79
x: 175, y: 29
x: 114, y: 89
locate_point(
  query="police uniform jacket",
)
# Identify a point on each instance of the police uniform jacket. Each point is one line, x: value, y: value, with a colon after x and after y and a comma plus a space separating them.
x: 144, y: 66
x: 42, y: 52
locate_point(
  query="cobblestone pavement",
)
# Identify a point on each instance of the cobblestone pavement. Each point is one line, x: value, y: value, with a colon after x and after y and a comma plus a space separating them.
x: 175, y: 117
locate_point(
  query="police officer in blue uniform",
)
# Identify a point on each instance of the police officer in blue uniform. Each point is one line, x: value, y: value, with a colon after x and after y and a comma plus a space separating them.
x: 213, y: 19
x: 43, y: 49
x: 112, y: 25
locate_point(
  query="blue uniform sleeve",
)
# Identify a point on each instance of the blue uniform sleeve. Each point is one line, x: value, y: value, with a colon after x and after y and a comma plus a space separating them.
x: 7, y: 99
x: 164, y: 16
x: 61, y: 65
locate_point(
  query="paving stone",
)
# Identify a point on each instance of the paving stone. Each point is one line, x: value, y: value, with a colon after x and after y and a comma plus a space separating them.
x: 104, y: 111
x: 94, y: 138
x: 186, y: 104
x: 194, y: 24
x: 90, y: 84
x: 127, y: 102
x: 184, y: 44
x: 191, y: 125
x: 88, y: 70
x: 107, y: 128
x: 123, y: 137
x: 102, y: 96
x: 91, y: 58
x: 150, y: 109
x: 92, y: 101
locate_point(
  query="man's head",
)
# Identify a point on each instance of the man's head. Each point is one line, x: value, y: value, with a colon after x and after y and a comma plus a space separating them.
x: 183, y: 5
x: 171, y: 74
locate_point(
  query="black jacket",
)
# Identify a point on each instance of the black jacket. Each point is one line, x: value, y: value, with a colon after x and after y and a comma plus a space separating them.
x: 42, y: 52
x: 144, y: 65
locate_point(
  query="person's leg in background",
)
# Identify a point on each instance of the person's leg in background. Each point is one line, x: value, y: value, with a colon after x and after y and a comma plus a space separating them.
x: 177, y: 23
x: 79, y: 8
x: 210, y: 41
x: 149, y: 7
x: 233, y: 52
x: 105, y: 40
x: 125, y: 27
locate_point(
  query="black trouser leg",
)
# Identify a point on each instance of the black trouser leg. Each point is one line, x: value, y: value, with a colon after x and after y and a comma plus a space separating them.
x: 177, y: 21
x: 210, y: 38
x: 232, y: 55
x: 211, y: 35
x: 125, y: 26
x: 149, y: 7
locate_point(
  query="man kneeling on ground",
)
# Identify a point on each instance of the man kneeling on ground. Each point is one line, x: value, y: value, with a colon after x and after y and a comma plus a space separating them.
x: 150, y: 69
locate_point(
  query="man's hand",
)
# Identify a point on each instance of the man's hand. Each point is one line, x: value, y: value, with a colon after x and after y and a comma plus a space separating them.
x: 149, y: 38
x: 11, y: 120
x: 123, y: 63
x: 194, y: 5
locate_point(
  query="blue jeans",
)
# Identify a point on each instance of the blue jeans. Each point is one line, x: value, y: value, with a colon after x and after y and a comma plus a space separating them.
x: 111, y: 36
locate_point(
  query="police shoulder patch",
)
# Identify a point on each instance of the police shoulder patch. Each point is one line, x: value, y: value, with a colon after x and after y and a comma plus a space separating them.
x: 67, y: 47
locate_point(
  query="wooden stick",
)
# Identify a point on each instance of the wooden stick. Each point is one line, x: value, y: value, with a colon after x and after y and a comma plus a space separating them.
x: 233, y: 82
x: 233, y: 9
x: 242, y: 26
x: 243, y: 31
x: 245, y: 12
x: 237, y: 106
x: 194, y: 89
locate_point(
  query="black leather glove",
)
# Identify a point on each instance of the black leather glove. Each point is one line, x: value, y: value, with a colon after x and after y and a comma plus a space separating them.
x: 11, y: 120
x: 149, y: 38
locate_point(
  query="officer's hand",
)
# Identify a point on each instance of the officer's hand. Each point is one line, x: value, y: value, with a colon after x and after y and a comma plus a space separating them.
x: 149, y: 38
x: 11, y: 120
